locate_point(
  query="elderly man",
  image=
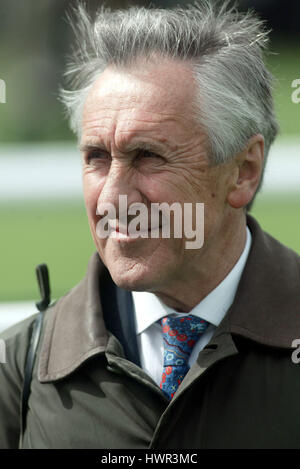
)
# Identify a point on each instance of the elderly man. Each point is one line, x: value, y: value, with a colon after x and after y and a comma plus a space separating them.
x: 161, y: 345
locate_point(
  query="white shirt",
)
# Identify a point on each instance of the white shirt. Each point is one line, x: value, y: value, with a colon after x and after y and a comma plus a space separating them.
x: 149, y: 309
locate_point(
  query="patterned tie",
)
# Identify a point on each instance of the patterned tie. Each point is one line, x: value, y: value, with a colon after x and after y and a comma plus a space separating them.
x: 179, y: 335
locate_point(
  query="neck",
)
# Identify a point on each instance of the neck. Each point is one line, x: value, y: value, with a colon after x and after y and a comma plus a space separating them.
x: 202, y: 278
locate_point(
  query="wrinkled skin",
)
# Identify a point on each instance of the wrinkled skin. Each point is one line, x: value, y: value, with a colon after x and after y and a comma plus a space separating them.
x: 151, y: 106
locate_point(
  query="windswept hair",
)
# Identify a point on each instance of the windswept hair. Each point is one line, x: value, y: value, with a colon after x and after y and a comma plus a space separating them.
x: 224, y: 46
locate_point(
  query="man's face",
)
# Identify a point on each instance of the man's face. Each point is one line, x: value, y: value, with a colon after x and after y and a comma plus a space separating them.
x: 149, y: 106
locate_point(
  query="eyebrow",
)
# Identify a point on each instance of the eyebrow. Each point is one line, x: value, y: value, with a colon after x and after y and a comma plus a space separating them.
x: 88, y: 146
x: 147, y: 146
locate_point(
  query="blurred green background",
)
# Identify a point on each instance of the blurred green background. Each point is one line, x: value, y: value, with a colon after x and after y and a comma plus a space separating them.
x: 34, y: 41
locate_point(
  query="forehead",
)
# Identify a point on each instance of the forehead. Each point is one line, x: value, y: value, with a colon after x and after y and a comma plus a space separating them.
x: 158, y: 91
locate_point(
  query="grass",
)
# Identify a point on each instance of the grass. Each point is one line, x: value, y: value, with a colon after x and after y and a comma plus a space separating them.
x: 284, y: 65
x: 58, y: 234
x: 280, y: 216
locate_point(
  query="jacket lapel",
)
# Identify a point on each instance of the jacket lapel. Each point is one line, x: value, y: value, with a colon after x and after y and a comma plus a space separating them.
x: 266, y: 307
x: 76, y: 327
x: 118, y: 311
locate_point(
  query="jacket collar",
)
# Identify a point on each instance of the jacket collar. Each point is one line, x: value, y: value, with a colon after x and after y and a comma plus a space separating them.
x: 74, y: 328
x: 266, y: 308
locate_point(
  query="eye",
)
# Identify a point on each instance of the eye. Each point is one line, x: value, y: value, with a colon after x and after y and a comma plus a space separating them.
x: 96, y: 155
x: 147, y: 154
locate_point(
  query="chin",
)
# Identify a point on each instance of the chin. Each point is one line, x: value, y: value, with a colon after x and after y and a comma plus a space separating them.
x: 135, y: 279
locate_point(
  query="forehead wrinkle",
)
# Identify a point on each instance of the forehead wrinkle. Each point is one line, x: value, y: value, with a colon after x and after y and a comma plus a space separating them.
x: 116, y: 102
x: 135, y: 114
x: 130, y: 130
x: 146, y: 139
x: 120, y: 134
x: 117, y: 124
x: 140, y: 143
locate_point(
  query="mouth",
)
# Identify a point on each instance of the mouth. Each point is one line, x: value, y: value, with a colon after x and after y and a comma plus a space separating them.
x: 122, y: 233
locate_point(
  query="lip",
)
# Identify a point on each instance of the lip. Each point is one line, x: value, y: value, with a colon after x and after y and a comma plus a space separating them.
x: 123, y: 236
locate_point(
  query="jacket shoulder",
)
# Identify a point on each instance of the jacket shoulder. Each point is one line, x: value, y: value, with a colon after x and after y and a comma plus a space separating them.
x: 14, y: 345
x: 20, y: 328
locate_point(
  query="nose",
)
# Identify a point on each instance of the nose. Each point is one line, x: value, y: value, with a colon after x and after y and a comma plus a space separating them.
x: 120, y: 180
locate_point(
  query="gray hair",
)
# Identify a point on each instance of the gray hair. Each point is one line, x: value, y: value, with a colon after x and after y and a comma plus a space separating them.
x: 225, y: 48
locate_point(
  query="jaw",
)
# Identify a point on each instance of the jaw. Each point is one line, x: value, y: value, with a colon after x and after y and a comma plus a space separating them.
x: 180, y: 277
x: 143, y: 265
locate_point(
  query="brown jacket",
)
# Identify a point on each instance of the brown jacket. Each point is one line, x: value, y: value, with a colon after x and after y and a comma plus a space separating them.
x: 88, y: 390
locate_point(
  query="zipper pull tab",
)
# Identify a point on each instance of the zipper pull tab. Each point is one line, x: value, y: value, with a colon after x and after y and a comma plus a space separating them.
x: 44, y: 286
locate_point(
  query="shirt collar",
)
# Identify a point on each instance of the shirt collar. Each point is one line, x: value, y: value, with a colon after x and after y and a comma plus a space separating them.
x: 149, y: 309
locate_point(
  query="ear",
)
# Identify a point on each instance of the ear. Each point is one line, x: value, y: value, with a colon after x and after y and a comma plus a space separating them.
x: 247, y: 174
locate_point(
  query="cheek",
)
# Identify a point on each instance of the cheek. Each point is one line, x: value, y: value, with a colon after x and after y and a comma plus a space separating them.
x: 91, y: 192
x: 181, y: 185
x: 164, y: 187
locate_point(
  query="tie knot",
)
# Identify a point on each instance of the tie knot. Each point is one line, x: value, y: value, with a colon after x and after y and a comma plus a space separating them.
x: 185, y: 330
